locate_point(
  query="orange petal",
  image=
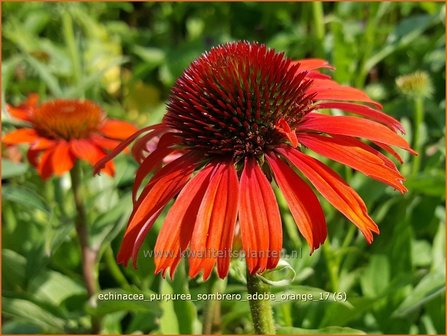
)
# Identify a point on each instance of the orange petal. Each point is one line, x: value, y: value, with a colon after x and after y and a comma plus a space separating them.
x: 123, y: 145
x: 175, y: 233
x: 45, y: 165
x: 312, y: 64
x: 366, y: 111
x: 353, y: 126
x: 334, y: 189
x: 355, y: 154
x: 25, y: 110
x: 154, y: 160
x: 88, y: 151
x: 303, y: 203
x: 259, y: 219
x: 284, y: 128
x: 117, y: 129
x: 42, y: 143
x: 19, y: 136
x: 160, y: 190
x: 140, y: 148
x: 104, y: 143
x: 389, y: 150
x: 214, y: 228
x: 325, y: 89
x: 62, y: 158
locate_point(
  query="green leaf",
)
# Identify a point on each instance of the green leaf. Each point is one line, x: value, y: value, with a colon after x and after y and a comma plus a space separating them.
x: 152, y: 57
x: 46, y: 76
x: 375, y: 279
x: 322, y: 331
x: 169, y: 321
x: 405, y: 32
x: 25, y: 310
x: 432, y: 184
x: 282, y: 275
x: 439, y: 247
x: 20, y: 327
x: 12, y: 169
x: 109, y: 224
x: 421, y: 254
x: 89, y: 81
x: 13, y: 270
x: 25, y: 197
x: 186, y: 309
x: 432, y: 285
x: 54, y: 287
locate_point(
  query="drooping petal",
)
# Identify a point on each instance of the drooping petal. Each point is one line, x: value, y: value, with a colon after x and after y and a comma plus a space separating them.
x: 103, y: 142
x: 153, y: 161
x: 62, y: 159
x: 230, y: 186
x: 365, y: 111
x: 389, y: 150
x: 148, y: 143
x: 160, y: 190
x: 19, y: 136
x: 334, y: 189
x: 352, y: 126
x: 284, y: 128
x: 317, y: 75
x: 303, y: 204
x: 33, y: 156
x: 214, y: 228
x: 312, y: 64
x: 259, y: 219
x: 42, y: 143
x: 123, y: 145
x: 325, y: 89
x: 86, y: 150
x: 175, y: 233
x: 45, y: 165
x: 351, y: 153
x: 117, y: 129
x: 24, y: 111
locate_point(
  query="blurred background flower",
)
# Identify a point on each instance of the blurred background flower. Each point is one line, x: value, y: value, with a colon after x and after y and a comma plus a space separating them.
x: 61, y: 131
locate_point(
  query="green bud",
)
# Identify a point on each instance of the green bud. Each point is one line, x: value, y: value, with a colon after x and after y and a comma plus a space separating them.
x: 416, y: 84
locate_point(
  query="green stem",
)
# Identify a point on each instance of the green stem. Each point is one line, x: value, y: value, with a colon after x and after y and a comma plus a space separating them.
x: 211, y: 314
x: 367, y: 47
x: 331, y: 264
x: 88, y: 255
x: 318, y: 21
x: 70, y: 40
x: 417, y: 144
x: 114, y: 269
x: 261, y: 310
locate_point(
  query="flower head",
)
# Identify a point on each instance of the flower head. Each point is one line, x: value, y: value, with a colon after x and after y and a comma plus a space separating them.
x: 417, y: 84
x: 62, y: 131
x: 238, y: 119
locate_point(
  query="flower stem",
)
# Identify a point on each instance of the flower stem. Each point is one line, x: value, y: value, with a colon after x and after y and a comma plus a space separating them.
x: 318, y: 20
x: 418, y: 121
x: 88, y: 255
x: 261, y: 310
x: 211, y: 314
x: 72, y: 48
x: 114, y: 269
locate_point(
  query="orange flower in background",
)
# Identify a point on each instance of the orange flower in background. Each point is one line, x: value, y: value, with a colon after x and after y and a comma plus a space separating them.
x: 62, y: 131
x: 240, y: 117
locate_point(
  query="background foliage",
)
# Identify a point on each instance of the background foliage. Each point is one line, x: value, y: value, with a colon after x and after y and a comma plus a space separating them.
x: 126, y: 56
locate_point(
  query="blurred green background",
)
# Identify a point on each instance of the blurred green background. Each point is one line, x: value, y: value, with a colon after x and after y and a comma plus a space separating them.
x: 126, y: 57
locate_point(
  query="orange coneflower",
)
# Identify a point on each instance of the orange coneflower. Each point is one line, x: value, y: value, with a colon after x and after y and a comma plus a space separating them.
x: 62, y: 131
x: 240, y: 116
